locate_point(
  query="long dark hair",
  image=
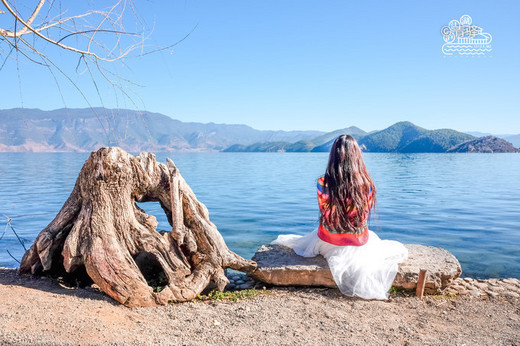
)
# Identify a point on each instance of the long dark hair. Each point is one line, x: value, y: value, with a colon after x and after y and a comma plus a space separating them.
x: 347, y: 183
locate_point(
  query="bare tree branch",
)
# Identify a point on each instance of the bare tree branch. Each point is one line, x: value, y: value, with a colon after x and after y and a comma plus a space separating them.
x: 29, y: 21
x: 36, y: 29
x: 28, y: 28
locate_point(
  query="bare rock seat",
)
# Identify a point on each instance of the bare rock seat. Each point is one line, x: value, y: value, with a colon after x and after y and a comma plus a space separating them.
x: 280, y: 266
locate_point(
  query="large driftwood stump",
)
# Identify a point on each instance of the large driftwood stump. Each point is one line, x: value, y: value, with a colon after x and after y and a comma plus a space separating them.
x: 101, y: 232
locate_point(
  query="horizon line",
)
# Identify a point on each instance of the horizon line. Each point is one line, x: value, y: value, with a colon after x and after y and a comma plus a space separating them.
x: 251, y: 126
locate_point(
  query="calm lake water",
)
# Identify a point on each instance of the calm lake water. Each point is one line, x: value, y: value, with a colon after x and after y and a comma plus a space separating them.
x: 468, y: 204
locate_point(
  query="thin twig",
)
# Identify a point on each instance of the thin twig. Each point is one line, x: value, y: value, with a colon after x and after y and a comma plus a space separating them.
x: 44, y: 57
x: 97, y: 30
x: 8, y: 224
x: 16, y: 234
x: 6, y: 57
x: 5, y: 230
x: 12, y: 256
x: 111, y: 129
x: 441, y: 303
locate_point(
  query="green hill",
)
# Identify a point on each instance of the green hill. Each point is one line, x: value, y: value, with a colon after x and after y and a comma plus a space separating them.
x: 436, y: 141
x: 405, y: 137
x: 354, y: 131
x: 392, y: 138
x: 272, y: 147
x: 268, y: 147
x: 300, y: 146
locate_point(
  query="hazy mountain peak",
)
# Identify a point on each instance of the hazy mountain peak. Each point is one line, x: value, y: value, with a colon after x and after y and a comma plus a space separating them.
x: 86, y: 129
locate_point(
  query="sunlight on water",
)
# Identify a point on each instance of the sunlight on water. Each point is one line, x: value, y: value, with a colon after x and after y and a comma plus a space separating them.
x: 466, y: 203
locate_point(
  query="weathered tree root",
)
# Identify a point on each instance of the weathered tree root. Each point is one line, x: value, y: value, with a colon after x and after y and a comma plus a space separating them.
x: 101, y: 231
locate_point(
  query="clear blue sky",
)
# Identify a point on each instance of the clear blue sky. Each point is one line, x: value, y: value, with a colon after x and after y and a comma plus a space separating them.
x: 320, y: 65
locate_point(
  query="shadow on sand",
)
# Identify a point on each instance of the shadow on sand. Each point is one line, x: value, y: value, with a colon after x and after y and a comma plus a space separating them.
x: 10, y: 276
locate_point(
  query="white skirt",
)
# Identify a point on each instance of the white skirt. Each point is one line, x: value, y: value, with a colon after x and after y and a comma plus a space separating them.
x: 365, y: 271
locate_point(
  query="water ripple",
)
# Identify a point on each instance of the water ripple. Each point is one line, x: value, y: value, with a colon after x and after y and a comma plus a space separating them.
x: 466, y: 203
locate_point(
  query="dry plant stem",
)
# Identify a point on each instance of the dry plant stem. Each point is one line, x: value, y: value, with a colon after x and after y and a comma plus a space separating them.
x: 102, y: 230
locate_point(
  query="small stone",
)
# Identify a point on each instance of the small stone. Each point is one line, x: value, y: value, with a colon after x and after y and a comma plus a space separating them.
x: 511, y: 294
x: 481, y: 285
x: 475, y: 293
x: 465, y: 284
x: 491, y: 293
x: 496, y: 288
x: 512, y: 281
x: 216, y: 323
x: 512, y: 288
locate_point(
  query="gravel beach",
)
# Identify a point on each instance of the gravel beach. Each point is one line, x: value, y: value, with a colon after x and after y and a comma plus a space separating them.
x: 40, y: 311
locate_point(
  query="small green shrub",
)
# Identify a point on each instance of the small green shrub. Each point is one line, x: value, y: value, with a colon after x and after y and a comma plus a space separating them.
x: 396, y: 290
x: 233, y: 295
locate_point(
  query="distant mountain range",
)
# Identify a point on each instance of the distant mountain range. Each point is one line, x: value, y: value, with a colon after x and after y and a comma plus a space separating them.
x: 301, y: 146
x: 402, y: 137
x: 69, y: 130
x: 83, y: 130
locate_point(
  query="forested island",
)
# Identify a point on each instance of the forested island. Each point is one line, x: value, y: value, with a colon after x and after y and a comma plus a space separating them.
x: 402, y: 137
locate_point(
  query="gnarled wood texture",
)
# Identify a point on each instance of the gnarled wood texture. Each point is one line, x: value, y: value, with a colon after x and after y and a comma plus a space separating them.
x: 102, y: 231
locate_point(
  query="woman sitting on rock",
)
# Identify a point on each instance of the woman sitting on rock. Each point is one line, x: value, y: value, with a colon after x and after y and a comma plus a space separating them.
x: 361, y: 263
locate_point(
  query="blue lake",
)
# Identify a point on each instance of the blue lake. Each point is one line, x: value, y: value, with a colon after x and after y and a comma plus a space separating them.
x: 468, y: 204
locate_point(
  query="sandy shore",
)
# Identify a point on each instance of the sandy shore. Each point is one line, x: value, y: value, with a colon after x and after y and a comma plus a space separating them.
x: 40, y: 311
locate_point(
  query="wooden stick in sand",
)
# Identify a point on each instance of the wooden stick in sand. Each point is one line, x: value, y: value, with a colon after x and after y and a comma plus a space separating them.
x: 419, y: 291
